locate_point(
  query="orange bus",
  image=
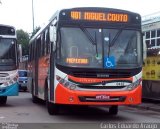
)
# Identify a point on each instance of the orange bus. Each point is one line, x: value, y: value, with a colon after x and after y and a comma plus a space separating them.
x: 87, y: 56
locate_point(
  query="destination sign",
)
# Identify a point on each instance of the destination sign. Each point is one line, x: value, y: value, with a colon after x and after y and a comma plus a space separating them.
x: 5, y: 30
x: 99, y: 16
x: 77, y: 60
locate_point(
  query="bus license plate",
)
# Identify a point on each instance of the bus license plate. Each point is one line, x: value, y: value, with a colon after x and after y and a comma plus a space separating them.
x: 102, y: 97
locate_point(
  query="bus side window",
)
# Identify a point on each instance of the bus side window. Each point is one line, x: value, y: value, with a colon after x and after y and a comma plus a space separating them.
x: 29, y: 58
x: 47, y: 41
x: 39, y: 46
x: 33, y: 52
x: 42, y: 43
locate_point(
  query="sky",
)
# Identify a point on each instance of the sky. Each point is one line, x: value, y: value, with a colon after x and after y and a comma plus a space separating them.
x: 19, y: 12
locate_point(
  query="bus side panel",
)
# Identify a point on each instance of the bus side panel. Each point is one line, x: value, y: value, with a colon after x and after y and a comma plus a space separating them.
x: 32, y: 77
x: 42, y: 75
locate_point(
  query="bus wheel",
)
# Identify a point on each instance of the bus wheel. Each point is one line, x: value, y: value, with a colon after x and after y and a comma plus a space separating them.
x: 34, y: 99
x: 3, y: 100
x: 113, y: 110
x: 52, y: 108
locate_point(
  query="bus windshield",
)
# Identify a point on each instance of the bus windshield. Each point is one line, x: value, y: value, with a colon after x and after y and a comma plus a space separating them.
x: 88, y: 47
x: 7, y: 54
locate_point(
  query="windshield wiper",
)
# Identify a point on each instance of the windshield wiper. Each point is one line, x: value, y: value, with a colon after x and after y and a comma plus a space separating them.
x: 115, y: 38
x: 88, y: 35
x: 91, y: 39
x: 111, y: 43
x: 96, y: 44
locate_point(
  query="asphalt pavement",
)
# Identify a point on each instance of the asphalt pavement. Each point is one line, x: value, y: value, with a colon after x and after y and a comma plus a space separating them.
x: 148, y: 105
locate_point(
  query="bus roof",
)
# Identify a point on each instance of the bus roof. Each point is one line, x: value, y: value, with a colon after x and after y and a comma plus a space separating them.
x: 45, y: 26
x: 7, y: 25
x: 98, y: 9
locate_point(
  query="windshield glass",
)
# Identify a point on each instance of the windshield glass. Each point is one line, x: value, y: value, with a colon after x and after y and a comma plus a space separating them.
x: 22, y: 73
x: 7, y: 54
x: 99, y: 48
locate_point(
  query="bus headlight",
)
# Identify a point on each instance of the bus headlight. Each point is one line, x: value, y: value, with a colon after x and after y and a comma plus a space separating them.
x: 66, y: 83
x: 9, y: 82
x: 134, y: 84
x: 5, y: 84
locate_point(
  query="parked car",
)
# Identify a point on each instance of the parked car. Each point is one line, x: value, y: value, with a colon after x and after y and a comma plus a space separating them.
x: 22, y: 80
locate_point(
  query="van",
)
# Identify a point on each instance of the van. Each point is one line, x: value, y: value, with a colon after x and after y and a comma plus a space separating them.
x: 22, y: 79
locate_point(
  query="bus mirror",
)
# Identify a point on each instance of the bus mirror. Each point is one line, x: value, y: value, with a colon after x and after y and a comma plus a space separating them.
x: 53, y: 35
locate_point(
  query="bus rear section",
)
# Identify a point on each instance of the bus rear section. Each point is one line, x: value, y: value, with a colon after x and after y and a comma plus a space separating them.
x: 8, y: 63
x: 95, y: 59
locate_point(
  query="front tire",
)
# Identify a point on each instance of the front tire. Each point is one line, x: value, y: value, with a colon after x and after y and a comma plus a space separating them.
x: 53, y: 109
x: 113, y: 110
x: 3, y: 100
x: 34, y: 99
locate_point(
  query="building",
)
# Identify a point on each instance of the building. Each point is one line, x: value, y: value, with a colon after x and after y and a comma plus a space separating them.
x: 151, y: 69
x: 151, y: 29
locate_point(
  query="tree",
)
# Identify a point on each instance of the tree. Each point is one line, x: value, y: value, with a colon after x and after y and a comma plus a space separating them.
x: 35, y: 31
x: 23, y: 39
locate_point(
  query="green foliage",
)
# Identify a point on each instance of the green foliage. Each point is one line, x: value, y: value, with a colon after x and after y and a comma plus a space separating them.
x: 35, y: 31
x: 23, y: 38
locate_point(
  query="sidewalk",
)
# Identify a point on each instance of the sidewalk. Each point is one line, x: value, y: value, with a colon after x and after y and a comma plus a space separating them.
x: 149, y: 105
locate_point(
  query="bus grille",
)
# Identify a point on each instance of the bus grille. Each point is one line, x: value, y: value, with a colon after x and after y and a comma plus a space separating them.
x: 112, y: 74
x: 4, y: 74
x: 100, y: 87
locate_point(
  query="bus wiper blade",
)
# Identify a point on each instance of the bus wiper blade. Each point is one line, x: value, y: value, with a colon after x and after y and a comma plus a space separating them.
x: 115, y: 38
x: 89, y: 36
x: 111, y: 43
x: 96, y: 44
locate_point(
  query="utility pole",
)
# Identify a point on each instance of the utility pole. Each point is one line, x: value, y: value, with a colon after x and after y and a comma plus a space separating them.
x: 33, y: 14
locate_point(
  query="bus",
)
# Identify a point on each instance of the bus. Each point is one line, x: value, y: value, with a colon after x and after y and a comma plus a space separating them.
x: 8, y: 63
x: 87, y: 56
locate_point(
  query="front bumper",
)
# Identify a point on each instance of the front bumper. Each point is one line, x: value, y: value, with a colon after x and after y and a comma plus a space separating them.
x: 65, y: 96
x: 11, y: 90
x: 22, y: 84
